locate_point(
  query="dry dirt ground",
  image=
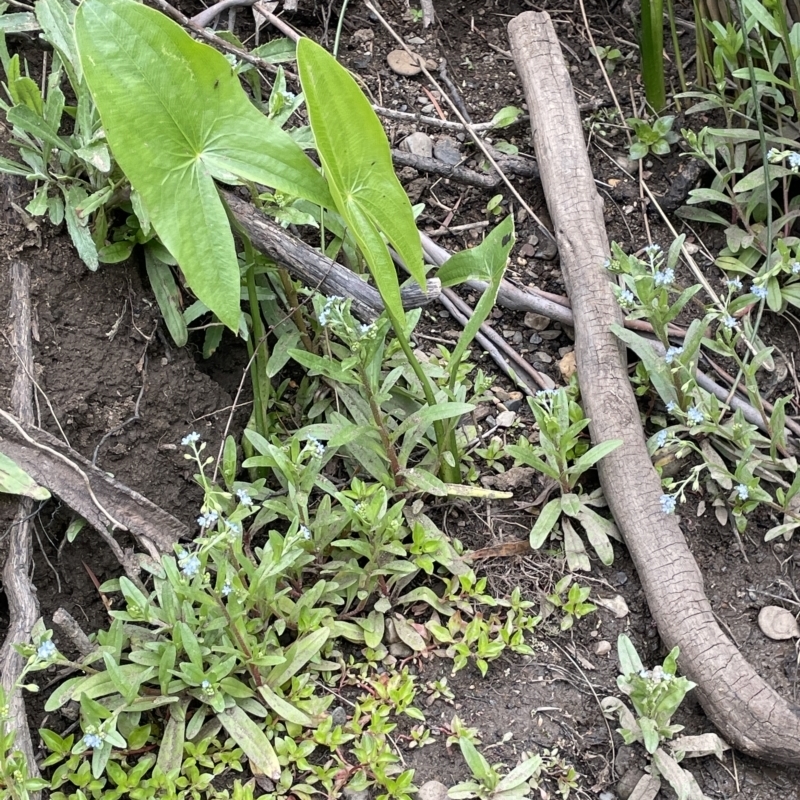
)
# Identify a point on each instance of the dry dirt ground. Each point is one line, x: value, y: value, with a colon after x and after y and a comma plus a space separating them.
x: 100, y: 350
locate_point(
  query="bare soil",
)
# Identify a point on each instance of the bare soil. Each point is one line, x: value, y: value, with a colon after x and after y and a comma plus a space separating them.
x: 102, y: 358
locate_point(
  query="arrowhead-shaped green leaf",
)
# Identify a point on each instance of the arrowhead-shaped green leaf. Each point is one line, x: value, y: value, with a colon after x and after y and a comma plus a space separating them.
x: 176, y: 118
x: 357, y: 162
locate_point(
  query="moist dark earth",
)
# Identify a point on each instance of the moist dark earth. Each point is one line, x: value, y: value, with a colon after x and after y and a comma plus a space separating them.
x: 101, y: 352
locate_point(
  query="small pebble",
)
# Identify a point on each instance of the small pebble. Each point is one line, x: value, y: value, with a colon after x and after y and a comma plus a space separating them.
x: 506, y: 419
x: 447, y: 150
x: 602, y: 648
x: 432, y: 790
x: 537, y: 322
x: 418, y: 144
x: 545, y: 358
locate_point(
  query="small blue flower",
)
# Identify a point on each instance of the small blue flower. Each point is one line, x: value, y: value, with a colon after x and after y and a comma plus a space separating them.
x: 316, y: 445
x: 208, y: 519
x: 626, y: 298
x: 794, y: 160
x: 92, y: 740
x: 668, y: 503
x: 324, y: 315
x: 652, y: 250
x: 669, y: 357
x: 664, y: 277
x: 45, y: 650
x: 671, y: 406
x: 729, y: 322
x: 607, y: 263
x: 190, y: 438
x: 735, y: 285
x: 366, y: 329
x: 226, y: 589
x: 206, y: 684
x: 661, y: 438
x: 234, y: 528
x: 244, y: 498
x: 304, y: 532
x: 695, y: 415
x: 742, y: 491
x: 772, y: 154
x: 795, y: 267
x: 191, y: 567
x: 759, y: 291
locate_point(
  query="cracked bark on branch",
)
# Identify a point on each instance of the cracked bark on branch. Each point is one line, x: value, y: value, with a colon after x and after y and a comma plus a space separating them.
x: 22, y: 603
x: 748, y: 712
x: 315, y: 269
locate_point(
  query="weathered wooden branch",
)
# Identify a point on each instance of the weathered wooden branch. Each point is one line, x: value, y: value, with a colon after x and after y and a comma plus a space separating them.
x: 315, y: 269
x: 22, y: 603
x: 106, y: 504
x: 748, y: 712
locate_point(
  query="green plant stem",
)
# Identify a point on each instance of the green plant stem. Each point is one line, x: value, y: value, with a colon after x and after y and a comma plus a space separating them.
x: 339, y: 25
x: 258, y: 365
x: 450, y: 473
x: 297, y: 311
x: 676, y: 46
x: 394, y: 464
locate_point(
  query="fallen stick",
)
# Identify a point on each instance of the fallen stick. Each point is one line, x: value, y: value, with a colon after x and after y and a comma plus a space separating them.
x: 102, y: 501
x: 748, y: 712
x: 315, y: 269
x: 22, y: 603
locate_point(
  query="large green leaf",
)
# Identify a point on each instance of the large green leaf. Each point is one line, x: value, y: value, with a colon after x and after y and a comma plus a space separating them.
x: 357, y: 162
x: 176, y: 118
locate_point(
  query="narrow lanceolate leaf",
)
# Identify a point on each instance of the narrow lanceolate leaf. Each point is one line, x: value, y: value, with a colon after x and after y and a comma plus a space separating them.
x: 176, y: 118
x: 14, y: 480
x: 357, y: 162
x: 252, y: 739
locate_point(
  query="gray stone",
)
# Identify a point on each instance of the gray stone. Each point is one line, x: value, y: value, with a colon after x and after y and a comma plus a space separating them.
x: 418, y: 144
x: 353, y: 794
x: 338, y: 716
x: 432, y: 790
x: 544, y: 358
x: 447, y: 150
x: 506, y: 419
x: 537, y: 322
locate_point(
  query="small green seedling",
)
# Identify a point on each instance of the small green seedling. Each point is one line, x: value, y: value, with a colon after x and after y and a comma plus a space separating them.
x: 610, y: 56
x: 656, y: 138
x: 574, y: 605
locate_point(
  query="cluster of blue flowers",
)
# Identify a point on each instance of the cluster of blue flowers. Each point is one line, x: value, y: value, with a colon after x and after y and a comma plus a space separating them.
x: 669, y: 357
x: 324, y: 315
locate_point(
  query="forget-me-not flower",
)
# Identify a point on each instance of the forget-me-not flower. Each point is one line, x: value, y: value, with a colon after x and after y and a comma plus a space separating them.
x: 190, y: 438
x: 93, y: 740
x: 45, y: 650
x: 742, y: 491
x: 668, y: 503
x: 735, y: 285
x: 208, y: 519
x: 669, y: 357
x: 191, y: 567
x: 759, y: 291
x: 661, y: 438
x: 244, y: 498
x: 695, y: 415
x: 664, y: 277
